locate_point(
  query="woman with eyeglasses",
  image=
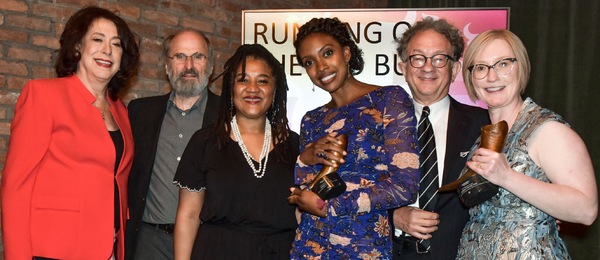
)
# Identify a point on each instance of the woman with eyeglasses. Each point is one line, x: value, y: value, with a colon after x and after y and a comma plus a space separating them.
x: 544, y: 170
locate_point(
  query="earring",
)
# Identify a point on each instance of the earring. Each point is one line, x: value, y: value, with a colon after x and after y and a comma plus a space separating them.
x: 274, y: 114
x: 349, y: 71
x: 313, y: 87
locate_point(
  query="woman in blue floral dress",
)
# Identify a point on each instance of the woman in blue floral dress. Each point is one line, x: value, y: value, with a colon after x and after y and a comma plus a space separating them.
x: 380, y: 166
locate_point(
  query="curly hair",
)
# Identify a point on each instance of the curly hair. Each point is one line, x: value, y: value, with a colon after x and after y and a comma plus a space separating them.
x: 277, y: 113
x: 339, y: 31
x: 73, y: 34
x: 441, y: 26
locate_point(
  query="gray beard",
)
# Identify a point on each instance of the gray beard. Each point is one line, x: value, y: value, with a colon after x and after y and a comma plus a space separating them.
x: 189, y: 88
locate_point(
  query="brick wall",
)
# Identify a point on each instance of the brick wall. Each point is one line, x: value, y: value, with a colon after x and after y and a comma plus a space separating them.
x: 30, y: 29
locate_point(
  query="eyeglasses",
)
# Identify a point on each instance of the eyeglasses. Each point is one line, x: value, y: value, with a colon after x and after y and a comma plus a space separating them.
x: 197, y: 58
x: 438, y: 60
x: 501, y: 67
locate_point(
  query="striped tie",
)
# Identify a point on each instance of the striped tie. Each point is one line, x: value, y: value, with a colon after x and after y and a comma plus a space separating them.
x: 429, y: 173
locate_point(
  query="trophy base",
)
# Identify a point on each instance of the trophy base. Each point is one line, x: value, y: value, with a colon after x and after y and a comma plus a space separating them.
x: 476, y: 190
x: 330, y: 186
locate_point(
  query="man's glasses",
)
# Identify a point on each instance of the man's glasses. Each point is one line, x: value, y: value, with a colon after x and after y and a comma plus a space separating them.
x: 502, y: 67
x: 438, y: 60
x: 197, y: 58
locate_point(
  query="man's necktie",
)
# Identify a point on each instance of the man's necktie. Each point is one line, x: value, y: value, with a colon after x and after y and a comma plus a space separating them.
x: 429, y: 173
x: 428, y: 159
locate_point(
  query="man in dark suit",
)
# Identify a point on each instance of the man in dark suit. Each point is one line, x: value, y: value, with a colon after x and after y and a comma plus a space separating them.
x: 162, y: 127
x: 430, y: 51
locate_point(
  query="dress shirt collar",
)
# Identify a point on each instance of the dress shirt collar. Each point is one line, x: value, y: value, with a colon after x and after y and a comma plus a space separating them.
x: 438, y: 109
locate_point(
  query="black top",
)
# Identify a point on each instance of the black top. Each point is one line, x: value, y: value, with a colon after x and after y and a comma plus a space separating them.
x: 117, y: 139
x: 237, y: 204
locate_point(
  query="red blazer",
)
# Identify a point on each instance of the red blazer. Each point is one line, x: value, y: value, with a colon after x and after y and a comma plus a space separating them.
x: 58, y: 180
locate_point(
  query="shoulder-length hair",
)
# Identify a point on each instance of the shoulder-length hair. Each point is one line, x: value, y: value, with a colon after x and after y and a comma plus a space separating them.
x: 483, y: 40
x: 73, y: 34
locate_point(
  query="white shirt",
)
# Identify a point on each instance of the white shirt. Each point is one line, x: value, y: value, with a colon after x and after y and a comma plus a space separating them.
x: 438, y: 117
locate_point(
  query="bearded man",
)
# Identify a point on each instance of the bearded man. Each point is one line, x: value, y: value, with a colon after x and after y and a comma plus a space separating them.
x: 162, y: 127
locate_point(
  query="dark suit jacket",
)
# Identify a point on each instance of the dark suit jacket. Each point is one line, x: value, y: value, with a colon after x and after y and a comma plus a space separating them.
x: 464, y: 127
x: 146, y: 116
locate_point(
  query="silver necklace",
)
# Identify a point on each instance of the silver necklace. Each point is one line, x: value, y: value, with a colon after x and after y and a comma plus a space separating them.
x: 264, y: 153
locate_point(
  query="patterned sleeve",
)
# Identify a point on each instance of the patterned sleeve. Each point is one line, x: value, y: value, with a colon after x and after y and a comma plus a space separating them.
x: 395, y: 165
x: 305, y: 173
x: 190, y: 175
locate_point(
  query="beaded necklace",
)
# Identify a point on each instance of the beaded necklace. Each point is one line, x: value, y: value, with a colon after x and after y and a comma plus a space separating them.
x: 264, y: 152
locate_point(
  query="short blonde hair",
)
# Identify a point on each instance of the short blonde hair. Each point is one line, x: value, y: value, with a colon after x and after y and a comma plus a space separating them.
x: 483, y: 40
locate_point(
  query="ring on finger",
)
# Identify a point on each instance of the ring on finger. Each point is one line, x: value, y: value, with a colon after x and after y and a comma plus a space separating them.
x: 321, y: 154
x: 479, y: 166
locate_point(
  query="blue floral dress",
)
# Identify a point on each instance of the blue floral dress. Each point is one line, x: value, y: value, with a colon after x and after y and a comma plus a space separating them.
x: 505, y: 226
x: 381, y: 173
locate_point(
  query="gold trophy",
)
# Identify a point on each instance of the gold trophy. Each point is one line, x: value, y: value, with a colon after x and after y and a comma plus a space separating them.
x: 328, y: 184
x: 471, y: 187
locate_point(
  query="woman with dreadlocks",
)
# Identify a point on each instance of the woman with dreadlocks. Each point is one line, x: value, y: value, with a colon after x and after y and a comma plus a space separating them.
x: 235, y: 175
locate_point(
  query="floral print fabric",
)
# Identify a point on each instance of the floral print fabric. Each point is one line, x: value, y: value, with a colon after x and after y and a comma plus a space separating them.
x: 381, y: 173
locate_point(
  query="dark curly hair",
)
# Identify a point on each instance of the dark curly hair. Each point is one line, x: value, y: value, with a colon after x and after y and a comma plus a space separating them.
x: 72, y: 36
x: 440, y: 26
x: 277, y: 113
x: 339, y: 31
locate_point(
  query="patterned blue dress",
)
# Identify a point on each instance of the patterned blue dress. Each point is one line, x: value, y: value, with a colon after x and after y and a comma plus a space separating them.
x: 505, y: 226
x: 381, y: 173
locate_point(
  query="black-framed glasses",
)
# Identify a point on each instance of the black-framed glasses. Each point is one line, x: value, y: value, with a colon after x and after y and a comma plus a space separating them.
x: 438, y: 60
x: 182, y: 58
x: 502, y: 67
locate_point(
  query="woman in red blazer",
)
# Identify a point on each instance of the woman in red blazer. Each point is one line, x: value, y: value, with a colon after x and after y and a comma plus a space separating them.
x: 65, y: 178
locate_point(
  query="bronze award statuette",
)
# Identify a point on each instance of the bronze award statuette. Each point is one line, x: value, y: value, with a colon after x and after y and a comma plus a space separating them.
x: 328, y: 184
x: 471, y: 187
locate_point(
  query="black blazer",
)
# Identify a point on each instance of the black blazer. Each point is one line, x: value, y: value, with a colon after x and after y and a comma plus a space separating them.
x: 464, y: 127
x: 146, y: 117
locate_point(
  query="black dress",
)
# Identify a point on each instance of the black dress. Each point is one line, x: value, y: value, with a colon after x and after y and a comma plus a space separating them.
x: 243, y: 217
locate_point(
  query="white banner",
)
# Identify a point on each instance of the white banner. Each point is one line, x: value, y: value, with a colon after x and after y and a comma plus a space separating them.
x: 374, y: 30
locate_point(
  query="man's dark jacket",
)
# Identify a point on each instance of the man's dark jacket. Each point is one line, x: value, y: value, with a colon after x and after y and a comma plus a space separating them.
x: 464, y: 127
x: 146, y: 117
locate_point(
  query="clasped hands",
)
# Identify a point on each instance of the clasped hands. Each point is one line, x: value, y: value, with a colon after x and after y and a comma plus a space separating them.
x: 319, y: 152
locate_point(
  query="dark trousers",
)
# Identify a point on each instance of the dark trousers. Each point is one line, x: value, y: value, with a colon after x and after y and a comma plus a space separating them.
x: 153, y: 243
x: 405, y: 249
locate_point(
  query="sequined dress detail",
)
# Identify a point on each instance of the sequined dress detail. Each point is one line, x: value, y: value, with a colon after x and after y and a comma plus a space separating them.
x: 506, y: 227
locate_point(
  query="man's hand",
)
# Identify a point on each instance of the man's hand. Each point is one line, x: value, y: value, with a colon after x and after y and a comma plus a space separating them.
x: 416, y: 222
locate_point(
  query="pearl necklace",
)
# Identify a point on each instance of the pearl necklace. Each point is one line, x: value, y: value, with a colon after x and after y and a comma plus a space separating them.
x: 264, y: 153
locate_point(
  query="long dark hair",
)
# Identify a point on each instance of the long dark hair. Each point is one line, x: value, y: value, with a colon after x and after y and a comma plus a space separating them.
x: 76, y: 28
x: 277, y: 113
